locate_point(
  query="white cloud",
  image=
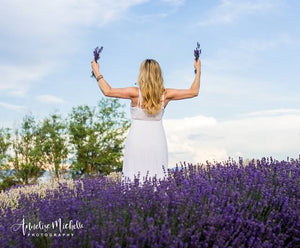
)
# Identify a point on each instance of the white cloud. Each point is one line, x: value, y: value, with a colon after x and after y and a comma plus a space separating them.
x: 201, y: 138
x: 175, y: 2
x: 219, y: 80
x: 275, y: 112
x: 183, y: 137
x: 49, y: 99
x: 54, y: 17
x: 249, y: 89
x: 231, y: 10
x: 17, y: 79
x: 37, y: 35
x: 251, y: 50
x: 236, y: 70
x: 257, y: 46
x: 227, y: 69
x: 13, y: 107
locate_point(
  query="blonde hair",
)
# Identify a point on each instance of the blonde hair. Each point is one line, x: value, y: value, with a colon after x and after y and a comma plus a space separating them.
x: 151, y: 83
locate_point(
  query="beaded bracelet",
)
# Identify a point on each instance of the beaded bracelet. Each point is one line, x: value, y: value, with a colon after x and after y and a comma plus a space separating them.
x: 99, y: 77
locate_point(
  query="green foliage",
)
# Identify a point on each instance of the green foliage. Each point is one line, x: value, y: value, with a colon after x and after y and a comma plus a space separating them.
x: 4, y: 145
x: 92, y: 137
x: 97, y: 136
x: 28, y: 154
x: 6, y: 180
x: 52, y: 136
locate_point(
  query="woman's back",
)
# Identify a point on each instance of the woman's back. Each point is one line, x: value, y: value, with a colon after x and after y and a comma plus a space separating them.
x: 146, y: 151
x: 137, y: 113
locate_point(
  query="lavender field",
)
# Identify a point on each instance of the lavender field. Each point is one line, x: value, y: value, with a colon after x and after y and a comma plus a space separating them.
x: 227, y: 204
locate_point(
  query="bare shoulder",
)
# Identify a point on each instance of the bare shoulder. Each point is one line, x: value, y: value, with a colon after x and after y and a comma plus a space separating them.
x: 134, y: 91
x: 170, y: 93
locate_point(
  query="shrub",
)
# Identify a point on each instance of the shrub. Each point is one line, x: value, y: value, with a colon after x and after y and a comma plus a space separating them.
x: 214, y: 205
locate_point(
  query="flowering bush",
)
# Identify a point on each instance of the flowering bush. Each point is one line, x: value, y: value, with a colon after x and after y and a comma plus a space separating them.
x: 10, y: 198
x: 214, y: 205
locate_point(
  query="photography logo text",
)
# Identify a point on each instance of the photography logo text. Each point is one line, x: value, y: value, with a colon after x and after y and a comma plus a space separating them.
x: 57, y: 228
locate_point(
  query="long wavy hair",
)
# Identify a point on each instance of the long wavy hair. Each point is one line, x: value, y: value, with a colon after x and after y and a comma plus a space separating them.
x: 151, y: 83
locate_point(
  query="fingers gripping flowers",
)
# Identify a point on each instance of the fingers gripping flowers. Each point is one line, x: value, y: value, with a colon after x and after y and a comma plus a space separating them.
x: 97, y: 52
x: 197, y: 53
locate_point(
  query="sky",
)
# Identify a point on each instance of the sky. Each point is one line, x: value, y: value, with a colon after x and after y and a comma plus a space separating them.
x: 248, y: 105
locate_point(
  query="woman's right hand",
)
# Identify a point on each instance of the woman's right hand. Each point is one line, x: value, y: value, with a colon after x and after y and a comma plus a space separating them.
x: 197, y: 65
x: 95, y: 67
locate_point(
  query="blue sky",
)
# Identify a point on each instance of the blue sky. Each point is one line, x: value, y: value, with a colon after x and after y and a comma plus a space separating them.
x: 248, y: 104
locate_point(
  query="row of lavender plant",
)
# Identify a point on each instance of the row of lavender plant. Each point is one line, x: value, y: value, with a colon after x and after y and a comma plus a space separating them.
x: 215, y: 205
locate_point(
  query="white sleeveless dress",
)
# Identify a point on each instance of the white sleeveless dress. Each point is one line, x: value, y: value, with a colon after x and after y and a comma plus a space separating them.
x: 146, y: 150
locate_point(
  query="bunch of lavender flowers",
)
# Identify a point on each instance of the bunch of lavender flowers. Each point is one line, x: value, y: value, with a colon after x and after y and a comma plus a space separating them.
x: 229, y: 204
x: 197, y: 53
x: 97, y: 52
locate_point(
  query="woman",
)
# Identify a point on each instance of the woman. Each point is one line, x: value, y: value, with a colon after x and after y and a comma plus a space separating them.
x: 146, y: 152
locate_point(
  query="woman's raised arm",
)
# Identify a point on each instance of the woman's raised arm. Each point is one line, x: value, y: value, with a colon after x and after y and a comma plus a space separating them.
x: 179, y: 94
x: 107, y: 90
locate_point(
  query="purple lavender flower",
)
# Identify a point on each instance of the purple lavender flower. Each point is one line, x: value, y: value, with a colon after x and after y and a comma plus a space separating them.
x: 254, y: 205
x: 97, y: 52
x: 197, y: 52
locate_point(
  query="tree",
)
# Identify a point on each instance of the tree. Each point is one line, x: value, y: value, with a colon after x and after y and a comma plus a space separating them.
x: 5, y: 143
x: 52, y: 136
x: 6, y: 178
x: 97, y: 136
x: 28, y: 155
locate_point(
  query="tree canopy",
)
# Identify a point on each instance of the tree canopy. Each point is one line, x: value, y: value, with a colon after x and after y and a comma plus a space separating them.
x: 88, y: 141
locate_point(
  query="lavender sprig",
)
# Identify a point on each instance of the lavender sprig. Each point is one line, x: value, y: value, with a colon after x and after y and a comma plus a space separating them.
x: 197, y: 53
x: 97, y: 52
